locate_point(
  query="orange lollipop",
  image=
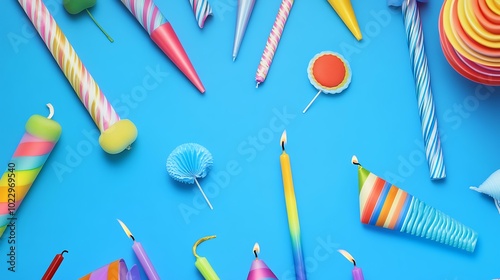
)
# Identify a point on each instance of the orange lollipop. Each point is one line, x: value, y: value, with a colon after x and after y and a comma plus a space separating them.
x: 328, y: 72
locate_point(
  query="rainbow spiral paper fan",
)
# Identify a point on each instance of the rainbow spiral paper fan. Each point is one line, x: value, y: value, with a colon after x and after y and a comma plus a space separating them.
x: 188, y: 162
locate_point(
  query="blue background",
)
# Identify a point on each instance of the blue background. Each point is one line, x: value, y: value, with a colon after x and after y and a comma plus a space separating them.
x: 81, y: 190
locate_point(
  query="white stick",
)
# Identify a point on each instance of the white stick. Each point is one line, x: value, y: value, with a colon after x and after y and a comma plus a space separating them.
x: 203, y: 193
x: 310, y: 103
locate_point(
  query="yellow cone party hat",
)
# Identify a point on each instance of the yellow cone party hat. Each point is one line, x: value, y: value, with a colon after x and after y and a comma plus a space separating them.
x: 346, y: 13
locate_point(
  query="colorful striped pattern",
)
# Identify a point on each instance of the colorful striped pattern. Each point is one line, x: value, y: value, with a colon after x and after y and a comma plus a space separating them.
x: 29, y: 158
x: 385, y: 205
x: 201, y: 10
x: 146, y: 12
x: 260, y: 271
x: 426, y: 108
x: 116, y: 270
x: 273, y: 40
x: 80, y: 79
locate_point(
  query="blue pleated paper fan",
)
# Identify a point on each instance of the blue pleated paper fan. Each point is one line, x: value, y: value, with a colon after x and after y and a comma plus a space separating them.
x: 188, y: 162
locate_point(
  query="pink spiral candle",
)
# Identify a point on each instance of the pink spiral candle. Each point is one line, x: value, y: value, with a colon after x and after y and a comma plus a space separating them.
x: 91, y: 96
x: 273, y: 41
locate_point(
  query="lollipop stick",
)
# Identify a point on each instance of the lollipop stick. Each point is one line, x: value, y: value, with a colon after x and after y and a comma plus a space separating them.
x: 100, y: 27
x: 203, y: 193
x: 310, y: 103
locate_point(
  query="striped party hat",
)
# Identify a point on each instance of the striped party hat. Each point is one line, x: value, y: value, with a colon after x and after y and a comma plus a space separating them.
x: 385, y: 205
x: 116, y: 270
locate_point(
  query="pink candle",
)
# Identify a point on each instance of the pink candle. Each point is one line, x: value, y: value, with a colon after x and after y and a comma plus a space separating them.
x: 273, y: 41
x: 141, y: 255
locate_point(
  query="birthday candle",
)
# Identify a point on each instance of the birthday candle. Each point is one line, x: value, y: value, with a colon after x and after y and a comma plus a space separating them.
x: 201, y: 10
x: 202, y: 263
x: 162, y: 33
x: 259, y: 270
x: 54, y: 265
x: 140, y: 253
x: 273, y: 41
x: 357, y: 273
x: 35, y: 147
x: 293, y: 215
x: 116, y: 134
x: 426, y: 108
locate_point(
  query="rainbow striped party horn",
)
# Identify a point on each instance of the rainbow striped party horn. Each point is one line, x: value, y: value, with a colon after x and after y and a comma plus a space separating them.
x: 113, y: 271
x: 385, y: 205
x: 40, y: 137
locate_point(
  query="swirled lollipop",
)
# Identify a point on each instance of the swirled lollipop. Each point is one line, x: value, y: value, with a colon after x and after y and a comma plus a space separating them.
x: 328, y: 72
x: 188, y: 162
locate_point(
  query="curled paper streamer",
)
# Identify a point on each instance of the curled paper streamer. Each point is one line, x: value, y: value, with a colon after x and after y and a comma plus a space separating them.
x: 116, y: 270
x: 491, y: 187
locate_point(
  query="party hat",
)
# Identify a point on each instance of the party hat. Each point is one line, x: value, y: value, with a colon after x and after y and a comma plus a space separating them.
x: 259, y: 270
x: 245, y: 8
x: 491, y: 187
x: 385, y: 205
x: 346, y: 13
x: 165, y: 37
x: 116, y: 270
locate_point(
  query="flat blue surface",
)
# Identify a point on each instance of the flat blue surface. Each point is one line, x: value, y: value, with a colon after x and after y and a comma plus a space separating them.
x: 81, y: 190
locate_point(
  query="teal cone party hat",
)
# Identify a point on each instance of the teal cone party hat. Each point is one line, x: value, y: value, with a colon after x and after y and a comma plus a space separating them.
x: 385, y: 205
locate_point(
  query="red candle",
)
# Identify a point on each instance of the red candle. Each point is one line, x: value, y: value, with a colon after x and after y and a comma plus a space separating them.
x: 54, y: 265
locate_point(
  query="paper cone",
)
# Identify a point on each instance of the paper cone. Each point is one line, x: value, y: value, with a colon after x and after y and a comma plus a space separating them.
x: 116, y: 270
x: 491, y: 187
x: 346, y: 13
x: 165, y: 37
x: 385, y: 205
x: 245, y: 8
x: 260, y: 271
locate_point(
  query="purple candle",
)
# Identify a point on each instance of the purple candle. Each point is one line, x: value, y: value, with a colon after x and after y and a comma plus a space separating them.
x: 357, y: 273
x: 141, y: 255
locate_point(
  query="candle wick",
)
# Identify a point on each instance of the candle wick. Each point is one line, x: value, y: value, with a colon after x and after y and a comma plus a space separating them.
x: 282, y: 145
x: 354, y: 262
x: 51, y: 111
x: 65, y: 251
x: 131, y: 236
x: 255, y: 253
